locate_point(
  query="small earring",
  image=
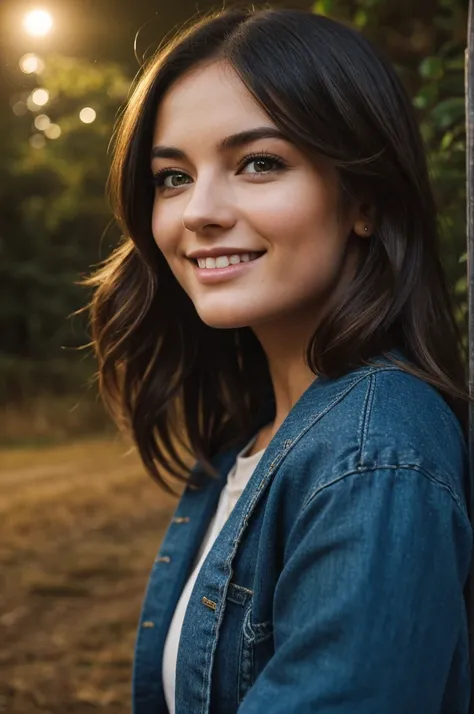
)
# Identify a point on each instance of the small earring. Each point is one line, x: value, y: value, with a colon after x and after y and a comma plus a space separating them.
x: 365, y: 229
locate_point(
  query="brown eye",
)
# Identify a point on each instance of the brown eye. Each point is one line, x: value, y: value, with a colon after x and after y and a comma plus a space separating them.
x: 262, y: 164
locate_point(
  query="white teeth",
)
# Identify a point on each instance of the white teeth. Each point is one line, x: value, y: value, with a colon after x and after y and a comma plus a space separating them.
x: 223, y: 261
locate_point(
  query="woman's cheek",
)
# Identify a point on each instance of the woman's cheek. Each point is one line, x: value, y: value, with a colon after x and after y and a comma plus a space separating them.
x: 283, y: 207
x: 164, y: 229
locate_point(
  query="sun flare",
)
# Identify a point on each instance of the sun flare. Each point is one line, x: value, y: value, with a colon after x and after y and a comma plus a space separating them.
x: 38, y: 22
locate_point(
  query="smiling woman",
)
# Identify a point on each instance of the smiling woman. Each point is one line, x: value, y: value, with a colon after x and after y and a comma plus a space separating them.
x: 245, y: 188
x: 279, y: 312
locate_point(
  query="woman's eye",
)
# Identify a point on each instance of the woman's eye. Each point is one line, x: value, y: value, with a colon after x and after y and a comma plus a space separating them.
x: 262, y: 165
x: 170, y: 179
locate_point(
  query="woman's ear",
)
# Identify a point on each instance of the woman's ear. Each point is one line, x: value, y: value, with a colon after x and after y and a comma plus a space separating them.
x: 364, y: 223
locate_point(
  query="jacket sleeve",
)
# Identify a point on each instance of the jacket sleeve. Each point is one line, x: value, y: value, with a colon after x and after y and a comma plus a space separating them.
x: 369, y: 609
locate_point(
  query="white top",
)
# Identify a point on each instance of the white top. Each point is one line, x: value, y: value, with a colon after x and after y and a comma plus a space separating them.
x: 236, y: 482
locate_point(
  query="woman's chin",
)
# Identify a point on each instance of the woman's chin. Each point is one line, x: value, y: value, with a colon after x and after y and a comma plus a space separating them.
x: 230, y: 319
x: 225, y: 324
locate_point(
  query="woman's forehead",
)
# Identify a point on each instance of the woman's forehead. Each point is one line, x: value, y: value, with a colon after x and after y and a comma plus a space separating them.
x: 209, y: 101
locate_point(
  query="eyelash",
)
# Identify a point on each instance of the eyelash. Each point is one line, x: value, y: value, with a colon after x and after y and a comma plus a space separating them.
x: 160, y: 176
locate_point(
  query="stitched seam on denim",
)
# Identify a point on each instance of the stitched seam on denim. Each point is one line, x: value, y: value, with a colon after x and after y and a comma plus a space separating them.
x: 249, y: 634
x: 315, y: 419
x: 263, y: 631
x: 246, y: 647
x: 212, y: 644
x: 256, y: 633
x: 239, y: 666
x: 204, y: 704
x: 238, y: 594
x: 230, y: 598
x: 365, y: 417
x: 387, y: 467
x: 241, y: 587
x: 312, y: 420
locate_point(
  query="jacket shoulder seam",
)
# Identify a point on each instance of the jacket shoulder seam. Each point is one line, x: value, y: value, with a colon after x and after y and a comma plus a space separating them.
x: 365, y: 417
x: 364, y: 470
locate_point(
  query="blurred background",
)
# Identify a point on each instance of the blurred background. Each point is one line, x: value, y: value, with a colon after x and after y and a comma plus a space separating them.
x: 80, y: 522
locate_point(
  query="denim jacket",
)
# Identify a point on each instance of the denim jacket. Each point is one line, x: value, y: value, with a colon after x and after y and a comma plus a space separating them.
x: 336, y: 585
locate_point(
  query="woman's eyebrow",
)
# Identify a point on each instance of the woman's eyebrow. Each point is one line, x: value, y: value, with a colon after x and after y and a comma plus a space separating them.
x: 229, y: 142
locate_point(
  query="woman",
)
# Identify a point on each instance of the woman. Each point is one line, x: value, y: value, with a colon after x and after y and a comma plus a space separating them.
x: 278, y: 312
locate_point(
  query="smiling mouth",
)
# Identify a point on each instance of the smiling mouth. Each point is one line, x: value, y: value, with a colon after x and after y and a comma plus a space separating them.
x: 226, y: 261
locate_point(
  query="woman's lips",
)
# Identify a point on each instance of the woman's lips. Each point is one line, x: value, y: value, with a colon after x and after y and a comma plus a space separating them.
x: 217, y: 275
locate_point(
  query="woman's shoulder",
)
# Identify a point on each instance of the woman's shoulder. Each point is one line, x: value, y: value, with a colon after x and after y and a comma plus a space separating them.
x: 405, y: 421
x: 387, y: 419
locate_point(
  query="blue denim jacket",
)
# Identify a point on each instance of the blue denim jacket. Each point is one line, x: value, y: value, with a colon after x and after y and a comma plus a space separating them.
x: 336, y: 585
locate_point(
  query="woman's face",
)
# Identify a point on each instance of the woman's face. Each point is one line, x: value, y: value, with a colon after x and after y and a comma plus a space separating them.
x: 227, y: 183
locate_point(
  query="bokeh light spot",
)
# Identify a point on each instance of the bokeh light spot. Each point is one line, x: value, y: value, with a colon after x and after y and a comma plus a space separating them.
x: 40, y: 97
x: 30, y: 63
x: 53, y: 131
x: 42, y: 122
x: 87, y: 115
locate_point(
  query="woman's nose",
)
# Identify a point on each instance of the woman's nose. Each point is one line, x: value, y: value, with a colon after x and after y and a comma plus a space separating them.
x: 209, y: 206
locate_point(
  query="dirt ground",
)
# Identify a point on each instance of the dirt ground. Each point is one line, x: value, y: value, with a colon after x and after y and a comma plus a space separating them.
x: 79, y: 528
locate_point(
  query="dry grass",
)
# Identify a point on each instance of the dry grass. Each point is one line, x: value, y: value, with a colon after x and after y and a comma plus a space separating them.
x: 79, y: 527
x: 53, y: 419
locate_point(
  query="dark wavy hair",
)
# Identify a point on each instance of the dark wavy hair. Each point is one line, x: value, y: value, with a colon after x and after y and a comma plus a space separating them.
x: 184, y: 388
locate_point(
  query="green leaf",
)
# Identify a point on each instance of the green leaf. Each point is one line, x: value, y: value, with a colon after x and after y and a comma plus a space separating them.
x: 447, y: 140
x: 431, y: 68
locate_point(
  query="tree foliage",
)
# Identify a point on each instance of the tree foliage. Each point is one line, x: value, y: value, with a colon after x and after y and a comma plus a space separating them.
x: 54, y: 212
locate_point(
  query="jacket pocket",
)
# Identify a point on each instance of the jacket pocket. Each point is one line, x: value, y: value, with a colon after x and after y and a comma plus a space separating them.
x: 256, y: 648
